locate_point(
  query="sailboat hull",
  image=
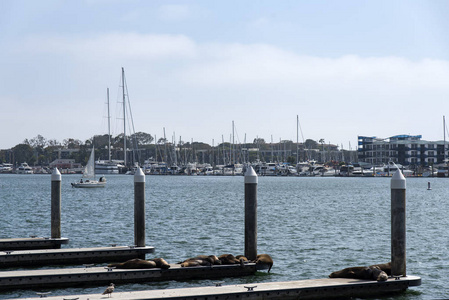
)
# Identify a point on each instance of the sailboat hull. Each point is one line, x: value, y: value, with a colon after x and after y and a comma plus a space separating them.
x: 90, y: 184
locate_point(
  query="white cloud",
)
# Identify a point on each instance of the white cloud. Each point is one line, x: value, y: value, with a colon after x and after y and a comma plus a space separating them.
x: 115, y: 46
x: 260, y: 86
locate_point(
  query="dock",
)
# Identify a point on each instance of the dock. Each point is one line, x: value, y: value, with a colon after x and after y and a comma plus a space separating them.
x: 304, y: 289
x: 71, y: 256
x: 48, y: 278
x: 31, y: 243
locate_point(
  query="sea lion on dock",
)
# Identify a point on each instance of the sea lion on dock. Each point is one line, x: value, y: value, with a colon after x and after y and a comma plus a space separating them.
x: 384, y: 267
x: 228, y: 259
x: 161, y: 263
x: 135, y: 263
x: 191, y: 263
x: 241, y: 258
x: 378, y: 274
x: 368, y: 273
x: 264, y: 260
x: 201, y: 260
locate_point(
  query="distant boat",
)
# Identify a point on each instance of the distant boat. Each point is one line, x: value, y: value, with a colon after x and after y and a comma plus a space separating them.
x: 24, y: 169
x: 88, y: 180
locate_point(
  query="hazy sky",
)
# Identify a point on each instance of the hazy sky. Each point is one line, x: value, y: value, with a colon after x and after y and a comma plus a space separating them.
x: 346, y: 68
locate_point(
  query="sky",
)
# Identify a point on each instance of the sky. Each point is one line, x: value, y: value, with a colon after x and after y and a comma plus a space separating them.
x: 195, y: 68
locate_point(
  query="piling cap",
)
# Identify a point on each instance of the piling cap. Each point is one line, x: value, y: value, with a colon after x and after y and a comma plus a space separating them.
x: 397, y: 181
x: 55, y: 175
x: 250, y: 175
x: 139, y: 176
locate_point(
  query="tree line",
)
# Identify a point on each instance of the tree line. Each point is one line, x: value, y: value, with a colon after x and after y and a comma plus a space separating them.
x: 39, y: 151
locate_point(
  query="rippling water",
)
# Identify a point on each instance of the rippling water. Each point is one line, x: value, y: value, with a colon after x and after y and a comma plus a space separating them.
x: 310, y: 226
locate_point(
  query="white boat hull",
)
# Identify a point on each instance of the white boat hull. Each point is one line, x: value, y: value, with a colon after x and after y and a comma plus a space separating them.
x: 89, y: 184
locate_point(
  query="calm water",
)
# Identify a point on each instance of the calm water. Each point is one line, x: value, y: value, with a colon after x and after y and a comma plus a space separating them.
x: 310, y: 226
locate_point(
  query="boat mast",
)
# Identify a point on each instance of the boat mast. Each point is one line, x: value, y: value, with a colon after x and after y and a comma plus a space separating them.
x: 444, y: 139
x: 297, y: 139
x: 109, y: 128
x: 124, y: 116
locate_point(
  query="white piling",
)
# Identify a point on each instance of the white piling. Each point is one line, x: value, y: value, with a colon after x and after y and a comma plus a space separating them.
x: 251, y: 213
x: 56, y: 204
x: 398, y: 227
x: 139, y: 208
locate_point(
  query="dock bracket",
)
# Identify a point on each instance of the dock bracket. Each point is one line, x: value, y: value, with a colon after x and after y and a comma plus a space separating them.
x: 218, y: 283
x: 43, y: 294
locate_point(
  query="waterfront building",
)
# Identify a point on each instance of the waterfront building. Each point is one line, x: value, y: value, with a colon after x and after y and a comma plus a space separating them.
x: 408, y: 150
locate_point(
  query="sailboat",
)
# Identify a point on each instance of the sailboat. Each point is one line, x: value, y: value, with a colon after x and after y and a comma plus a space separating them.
x: 88, y: 179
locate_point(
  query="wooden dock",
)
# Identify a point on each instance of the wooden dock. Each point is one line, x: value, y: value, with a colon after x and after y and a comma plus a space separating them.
x: 305, y: 289
x: 47, y: 278
x: 71, y: 256
x: 31, y: 243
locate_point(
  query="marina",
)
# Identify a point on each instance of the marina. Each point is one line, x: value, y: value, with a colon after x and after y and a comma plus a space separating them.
x: 218, y: 241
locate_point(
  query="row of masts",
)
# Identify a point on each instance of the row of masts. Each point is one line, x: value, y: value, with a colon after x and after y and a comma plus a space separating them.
x: 232, y: 157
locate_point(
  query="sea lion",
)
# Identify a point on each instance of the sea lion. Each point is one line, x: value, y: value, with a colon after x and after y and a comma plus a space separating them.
x: 352, y: 272
x: 385, y: 267
x: 368, y: 273
x: 378, y: 274
x: 161, y: 263
x: 135, y: 263
x: 201, y: 260
x: 228, y: 259
x: 241, y: 258
x: 191, y: 263
x: 265, y: 260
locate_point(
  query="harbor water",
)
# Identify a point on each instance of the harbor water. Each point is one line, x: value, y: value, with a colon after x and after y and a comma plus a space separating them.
x: 310, y: 226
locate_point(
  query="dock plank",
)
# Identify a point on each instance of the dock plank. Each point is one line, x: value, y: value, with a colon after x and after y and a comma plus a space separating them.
x: 47, y: 278
x: 71, y: 256
x: 31, y: 243
x: 302, y: 289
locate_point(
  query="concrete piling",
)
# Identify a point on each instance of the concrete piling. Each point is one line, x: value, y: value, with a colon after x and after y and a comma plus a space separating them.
x: 251, y: 213
x: 139, y: 208
x: 398, y: 228
x: 56, y: 204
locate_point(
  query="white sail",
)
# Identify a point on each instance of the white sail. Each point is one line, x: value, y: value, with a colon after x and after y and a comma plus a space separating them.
x: 89, y: 169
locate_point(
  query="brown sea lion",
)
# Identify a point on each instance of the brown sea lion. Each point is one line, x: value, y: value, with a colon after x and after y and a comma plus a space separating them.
x: 367, y: 273
x: 352, y: 272
x: 241, y: 258
x: 161, y: 263
x: 201, y: 260
x: 378, y: 274
x: 228, y: 259
x: 264, y: 260
x: 135, y: 263
x: 191, y: 263
x: 384, y: 267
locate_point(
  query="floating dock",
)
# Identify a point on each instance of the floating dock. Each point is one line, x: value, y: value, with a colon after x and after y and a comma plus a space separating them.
x: 31, y: 243
x: 48, y: 278
x: 305, y: 289
x: 71, y: 256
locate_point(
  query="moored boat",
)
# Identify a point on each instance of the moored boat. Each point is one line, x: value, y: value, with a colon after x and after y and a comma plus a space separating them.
x: 89, y: 175
x: 24, y: 168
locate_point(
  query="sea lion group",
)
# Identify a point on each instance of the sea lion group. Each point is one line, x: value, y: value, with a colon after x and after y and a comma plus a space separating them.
x: 379, y: 272
x: 264, y: 260
x: 226, y: 259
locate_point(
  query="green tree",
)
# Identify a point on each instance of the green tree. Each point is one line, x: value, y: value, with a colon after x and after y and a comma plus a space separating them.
x: 23, y: 153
